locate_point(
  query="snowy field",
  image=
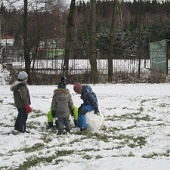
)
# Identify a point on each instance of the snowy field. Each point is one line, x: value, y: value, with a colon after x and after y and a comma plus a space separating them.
x: 134, y: 136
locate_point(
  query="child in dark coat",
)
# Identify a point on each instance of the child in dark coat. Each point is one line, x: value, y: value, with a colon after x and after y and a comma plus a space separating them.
x: 22, y: 101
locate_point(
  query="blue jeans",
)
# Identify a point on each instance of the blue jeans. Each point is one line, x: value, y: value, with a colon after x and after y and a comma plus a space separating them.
x: 83, y: 109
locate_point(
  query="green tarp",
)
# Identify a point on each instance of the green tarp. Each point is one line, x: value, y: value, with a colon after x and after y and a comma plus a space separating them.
x: 158, y: 56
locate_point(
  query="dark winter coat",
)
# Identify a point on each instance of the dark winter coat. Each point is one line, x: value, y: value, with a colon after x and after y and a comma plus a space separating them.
x: 89, y: 97
x: 62, y: 102
x: 21, y: 94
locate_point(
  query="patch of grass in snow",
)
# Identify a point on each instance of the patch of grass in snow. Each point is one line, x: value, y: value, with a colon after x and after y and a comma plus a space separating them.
x: 132, y: 116
x: 162, y: 105
x: 33, y: 161
x: 144, y: 118
x: 98, y: 157
x: 153, y: 154
x: 46, y: 137
x: 102, y: 137
x: 36, y: 147
x: 151, y: 99
x: 161, y: 124
x: 104, y: 128
x: 108, y: 118
x: 130, y: 154
x: 138, y: 141
x: 33, y: 124
x: 86, y: 133
x: 89, y: 150
x: 1, y: 101
x: 141, y: 109
x: 90, y: 135
x: 2, y: 124
x: 130, y: 141
x: 130, y: 127
x: 37, y: 113
x: 64, y: 153
x: 99, y: 137
x: 87, y: 157
x: 113, y: 129
x: 143, y: 101
x: 4, y: 167
x: 13, y: 104
x: 75, y: 141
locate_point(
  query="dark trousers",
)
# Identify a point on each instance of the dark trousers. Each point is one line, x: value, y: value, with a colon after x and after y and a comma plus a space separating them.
x: 20, y: 123
x: 62, y: 122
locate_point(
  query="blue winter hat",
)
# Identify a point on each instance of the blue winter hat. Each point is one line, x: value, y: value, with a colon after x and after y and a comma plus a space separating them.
x: 62, y: 82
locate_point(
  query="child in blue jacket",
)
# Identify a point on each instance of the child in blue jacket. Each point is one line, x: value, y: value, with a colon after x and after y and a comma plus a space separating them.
x: 90, y: 103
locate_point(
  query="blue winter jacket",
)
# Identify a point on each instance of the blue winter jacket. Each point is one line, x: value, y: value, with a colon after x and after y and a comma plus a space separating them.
x: 89, y: 97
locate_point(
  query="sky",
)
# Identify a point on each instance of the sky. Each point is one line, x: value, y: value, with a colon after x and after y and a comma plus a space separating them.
x: 20, y: 2
x: 135, y: 133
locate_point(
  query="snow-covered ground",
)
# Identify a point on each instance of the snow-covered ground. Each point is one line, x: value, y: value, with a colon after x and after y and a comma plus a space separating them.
x: 134, y: 136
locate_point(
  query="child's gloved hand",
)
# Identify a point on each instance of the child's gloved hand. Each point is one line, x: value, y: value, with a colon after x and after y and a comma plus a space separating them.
x: 28, y: 108
x: 96, y: 111
x: 72, y: 112
x: 54, y: 115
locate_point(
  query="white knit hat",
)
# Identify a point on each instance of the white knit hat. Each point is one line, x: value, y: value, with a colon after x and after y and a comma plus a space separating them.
x: 22, y: 76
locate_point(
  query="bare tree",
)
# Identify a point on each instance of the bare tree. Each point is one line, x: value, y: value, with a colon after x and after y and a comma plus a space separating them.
x: 38, y: 28
x: 69, y: 36
x: 92, y: 43
x: 112, y: 34
x: 25, y: 39
x: 139, y: 36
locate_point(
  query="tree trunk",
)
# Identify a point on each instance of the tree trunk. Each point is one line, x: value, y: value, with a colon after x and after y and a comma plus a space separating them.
x: 69, y: 37
x: 139, y: 36
x: 25, y: 38
x: 92, y: 44
x: 112, y: 34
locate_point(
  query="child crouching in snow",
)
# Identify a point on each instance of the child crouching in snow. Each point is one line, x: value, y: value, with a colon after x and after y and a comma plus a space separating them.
x: 50, y: 120
x: 61, y: 106
x: 90, y: 103
x: 74, y: 114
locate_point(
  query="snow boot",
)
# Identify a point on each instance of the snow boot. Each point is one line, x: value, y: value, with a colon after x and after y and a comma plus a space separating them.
x: 50, y: 125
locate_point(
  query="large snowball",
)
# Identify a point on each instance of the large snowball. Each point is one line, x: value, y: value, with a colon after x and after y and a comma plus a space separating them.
x: 94, y: 122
